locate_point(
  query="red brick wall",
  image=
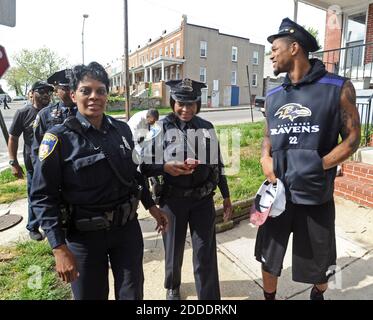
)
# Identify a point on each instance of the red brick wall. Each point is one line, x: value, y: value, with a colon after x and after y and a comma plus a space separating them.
x: 333, y: 38
x: 356, y: 184
x: 369, y: 35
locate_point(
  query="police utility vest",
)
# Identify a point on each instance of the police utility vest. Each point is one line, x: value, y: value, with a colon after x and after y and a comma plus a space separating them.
x: 304, y: 125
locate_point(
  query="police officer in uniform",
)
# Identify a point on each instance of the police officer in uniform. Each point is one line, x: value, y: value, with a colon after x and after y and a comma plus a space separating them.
x: 87, y: 161
x: 22, y: 124
x: 55, y: 113
x: 305, y: 117
x: 191, y: 171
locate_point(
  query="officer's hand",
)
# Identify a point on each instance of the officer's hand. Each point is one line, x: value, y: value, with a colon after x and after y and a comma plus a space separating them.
x: 267, y: 166
x: 177, y: 168
x: 65, y: 264
x: 228, y: 209
x: 160, y: 217
x: 17, y: 171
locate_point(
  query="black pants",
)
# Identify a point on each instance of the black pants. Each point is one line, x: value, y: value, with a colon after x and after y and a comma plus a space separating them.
x: 124, y: 247
x: 314, y: 247
x: 32, y: 223
x: 200, y: 215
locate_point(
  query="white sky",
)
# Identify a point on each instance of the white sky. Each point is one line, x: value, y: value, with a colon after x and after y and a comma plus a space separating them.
x: 57, y: 24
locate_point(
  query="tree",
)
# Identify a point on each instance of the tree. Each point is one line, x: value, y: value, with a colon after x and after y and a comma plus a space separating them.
x: 31, y: 66
x: 314, y: 32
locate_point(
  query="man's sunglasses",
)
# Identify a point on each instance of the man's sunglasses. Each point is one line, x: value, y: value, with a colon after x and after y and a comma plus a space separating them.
x: 64, y: 88
x: 43, y: 91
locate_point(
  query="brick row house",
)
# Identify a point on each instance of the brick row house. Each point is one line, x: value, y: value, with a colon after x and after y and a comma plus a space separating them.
x: 348, y: 51
x: 200, y: 53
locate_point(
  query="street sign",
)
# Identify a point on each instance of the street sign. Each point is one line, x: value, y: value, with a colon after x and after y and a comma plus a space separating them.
x: 8, y: 13
x: 4, y: 62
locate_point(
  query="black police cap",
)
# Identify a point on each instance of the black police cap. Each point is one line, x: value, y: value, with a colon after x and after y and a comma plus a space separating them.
x: 290, y: 28
x: 41, y: 85
x: 186, y: 90
x: 61, y: 77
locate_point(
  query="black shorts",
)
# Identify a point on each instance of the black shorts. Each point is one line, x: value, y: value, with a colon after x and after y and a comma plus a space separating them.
x: 314, y: 248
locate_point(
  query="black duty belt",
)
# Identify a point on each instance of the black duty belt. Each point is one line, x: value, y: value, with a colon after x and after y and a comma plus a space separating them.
x: 89, y: 219
x: 195, y: 193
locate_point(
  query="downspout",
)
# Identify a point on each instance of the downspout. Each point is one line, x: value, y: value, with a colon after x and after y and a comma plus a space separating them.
x: 295, y: 10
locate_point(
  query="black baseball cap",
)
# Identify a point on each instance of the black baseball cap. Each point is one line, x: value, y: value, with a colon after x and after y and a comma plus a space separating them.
x: 40, y: 85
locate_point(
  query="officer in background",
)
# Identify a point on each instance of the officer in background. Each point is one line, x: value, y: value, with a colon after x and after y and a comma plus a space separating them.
x: 87, y: 162
x: 22, y: 124
x: 55, y: 113
x: 189, y: 183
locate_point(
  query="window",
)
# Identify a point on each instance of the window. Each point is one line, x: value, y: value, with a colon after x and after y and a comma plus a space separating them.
x: 160, y: 52
x: 177, y: 72
x: 178, y: 48
x: 256, y: 57
x: 172, y: 50
x: 202, y: 74
x: 203, y: 49
x: 254, y: 81
x: 234, y: 54
x: 234, y: 78
x: 166, y: 52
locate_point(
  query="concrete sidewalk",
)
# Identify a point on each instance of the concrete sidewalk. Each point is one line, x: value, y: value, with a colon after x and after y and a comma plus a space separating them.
x: 240, y: 275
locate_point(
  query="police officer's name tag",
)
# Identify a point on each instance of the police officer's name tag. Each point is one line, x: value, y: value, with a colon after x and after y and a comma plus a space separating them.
x: 47, y: 145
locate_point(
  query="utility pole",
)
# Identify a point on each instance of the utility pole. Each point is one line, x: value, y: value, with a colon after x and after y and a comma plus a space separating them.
x: 85, y: 16
x: 126, y: 60
x: 251, y: 99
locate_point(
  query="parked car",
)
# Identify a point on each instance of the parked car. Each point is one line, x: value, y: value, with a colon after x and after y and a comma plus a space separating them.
x: 19, y: 98
x: 259, y: 104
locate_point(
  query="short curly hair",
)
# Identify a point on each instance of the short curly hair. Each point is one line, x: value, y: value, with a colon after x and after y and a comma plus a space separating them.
x: 94, y: 71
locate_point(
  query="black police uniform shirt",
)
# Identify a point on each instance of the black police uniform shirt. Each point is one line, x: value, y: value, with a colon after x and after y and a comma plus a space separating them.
x: 304, y: 125
x: 201, y: 173
x: 23, y: 122
x: 72, y: 167
x: 49, y: 117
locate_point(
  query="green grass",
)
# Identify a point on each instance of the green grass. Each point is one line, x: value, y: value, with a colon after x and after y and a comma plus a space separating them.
x: 11, y: 188
x: 162, y: 111
x: 246, y: 183
x: 27, y: 273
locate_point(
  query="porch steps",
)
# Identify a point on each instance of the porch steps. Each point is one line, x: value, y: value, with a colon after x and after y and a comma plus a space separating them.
x: 364, y: 155
x: 356, y: 184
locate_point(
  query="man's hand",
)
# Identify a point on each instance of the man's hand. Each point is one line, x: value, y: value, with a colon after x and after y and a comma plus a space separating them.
x: 267, y: 167
x: 228, y: 209
x: 65, y: 264
x: 160, y: 217
x: 177, y: 168
x: 17, y: 171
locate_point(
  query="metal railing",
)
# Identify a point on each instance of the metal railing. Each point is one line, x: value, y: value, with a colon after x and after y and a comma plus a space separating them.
x: 366, y: 119
x: 354, y: 61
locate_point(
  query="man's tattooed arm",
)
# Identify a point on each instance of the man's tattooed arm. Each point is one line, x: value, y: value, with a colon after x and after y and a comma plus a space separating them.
x: 350, y: 128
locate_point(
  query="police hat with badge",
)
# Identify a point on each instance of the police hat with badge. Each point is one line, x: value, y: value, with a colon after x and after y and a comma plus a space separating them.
x: 60, y: 78
x: 186, y: 91
x: 301, y: 35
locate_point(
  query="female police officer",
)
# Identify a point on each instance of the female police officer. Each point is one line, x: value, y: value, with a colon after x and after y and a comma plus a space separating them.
x: 187, y: 195
x: 88, y: 162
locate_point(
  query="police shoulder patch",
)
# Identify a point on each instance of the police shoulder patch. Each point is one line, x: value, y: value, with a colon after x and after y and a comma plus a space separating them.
x: 47, y: 145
